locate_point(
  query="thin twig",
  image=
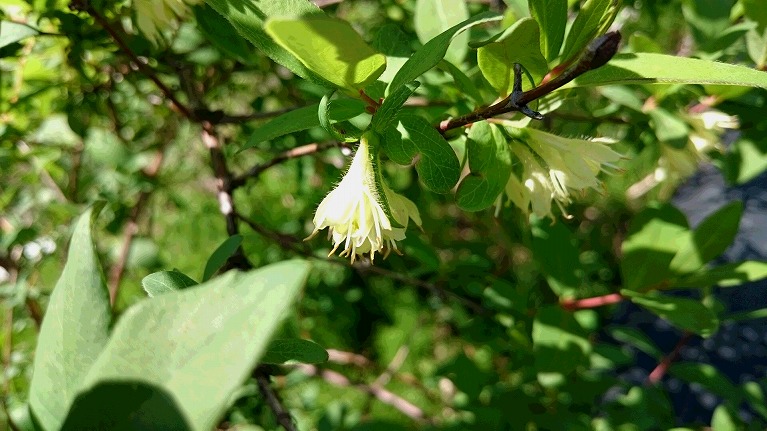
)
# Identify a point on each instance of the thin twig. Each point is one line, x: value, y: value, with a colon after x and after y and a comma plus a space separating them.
x: 597, y: 301
x: 394, y: 366
x: 237, y: 119
x: 657, y: 374
x: 303, y: 150
x: 272, y: 399
x: 385, y: 396
x: 146, y: 70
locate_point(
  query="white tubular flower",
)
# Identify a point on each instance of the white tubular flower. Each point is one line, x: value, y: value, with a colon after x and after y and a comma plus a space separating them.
x: 555, y: 168
x: 355, y: 216
x: 154, y: 15
x: 676, y: 165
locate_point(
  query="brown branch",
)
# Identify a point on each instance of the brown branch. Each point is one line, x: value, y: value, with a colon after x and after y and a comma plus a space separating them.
x: 131, y: 228
x: 597, y: 301
x: 657, y: 374
x: 385, y: 396
x: 273, y: 400
x: 303, y: 150
x: 599, y: 52
x: 146, y: 70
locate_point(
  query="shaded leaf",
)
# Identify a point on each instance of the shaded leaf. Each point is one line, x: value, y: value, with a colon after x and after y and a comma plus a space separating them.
x: 559, y: 342
x: 386, y: 114
x: 551, y: 16
x: 728, y: 275
x: 432, y: 17
x: 555, y: 251
x: 220, y: 255
x: 414, y: 140
x: 489, y: 164
x: 684, y: 313
x: 594, y: 19
x: 294, y: 350
x: 165, y: 281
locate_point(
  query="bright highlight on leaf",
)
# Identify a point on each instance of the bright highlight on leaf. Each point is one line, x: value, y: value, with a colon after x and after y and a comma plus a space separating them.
x: 329, y: 47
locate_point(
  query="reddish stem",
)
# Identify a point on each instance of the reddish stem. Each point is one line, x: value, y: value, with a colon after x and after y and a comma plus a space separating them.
x: 657, y: 374
x: 597, y: 301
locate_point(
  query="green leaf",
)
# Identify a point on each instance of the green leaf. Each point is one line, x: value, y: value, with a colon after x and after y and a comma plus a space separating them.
x: 331, y: 48
x: 304, y: 118
x: 414, y: 140
x: 248, y: 16
x: 709, y: 240
x: 729, y: 275
x: 489, y: 164
x: 11, y: 32
x: 754, y: 395
x: 669, y: 128
x: 173, y: 343
x: 462, y: 82
x: 165, y: 281
x: 387, y: 113
x: 551, y: 16
x: 647, y: 68
x: 637, y: 339
x: 433, y: 17
x: 349, y: 133
x: 220, y: 255
x: 518, y: 44
x: 294, y: 350
x: 558, y: 255
x: 725, y: 419
x: 684, y: 313
x: 222, y: 34
x: 594, y: 19
x: 755, y: 11
x: 707, y: 376
x: 560, y: 344
x: 125, y: 406
x: 434, y: 51
x: 653, y: 239
x: 74, y: 331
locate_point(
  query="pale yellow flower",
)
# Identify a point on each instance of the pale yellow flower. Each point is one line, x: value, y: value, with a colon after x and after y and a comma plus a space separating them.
x: 553, y: 167
x: 154, y: 15
x: 354, y: 214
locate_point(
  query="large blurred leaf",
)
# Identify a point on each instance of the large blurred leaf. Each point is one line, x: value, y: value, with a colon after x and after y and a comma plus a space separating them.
x: 248, y: 17
x: 646, y: 68
x: 294, y: 350
x: 518, y: 44
x: 432, y: 17
x: 559, y: 342
x: 489, y: 164
x: 304, y: 118
x: 669, y: 128
x: 414, y: 140
x: 707, y: 376
x: 551, y: 16
x: 172, y: 345
x: 684, y: 313
x: 434, y: 51
x: 653, y: 239
x: 74, y: 331
x: 329, y: 47
x: 709, y: 240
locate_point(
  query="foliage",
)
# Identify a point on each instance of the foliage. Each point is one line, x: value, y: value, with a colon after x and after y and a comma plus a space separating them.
x: 534, y: 148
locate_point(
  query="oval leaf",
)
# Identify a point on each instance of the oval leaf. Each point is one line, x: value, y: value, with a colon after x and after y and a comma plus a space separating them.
x: 414, y: 140
x: 684, y: 313
x: 329, y: 47
x: 165, y: 281
x: 490, y: 165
